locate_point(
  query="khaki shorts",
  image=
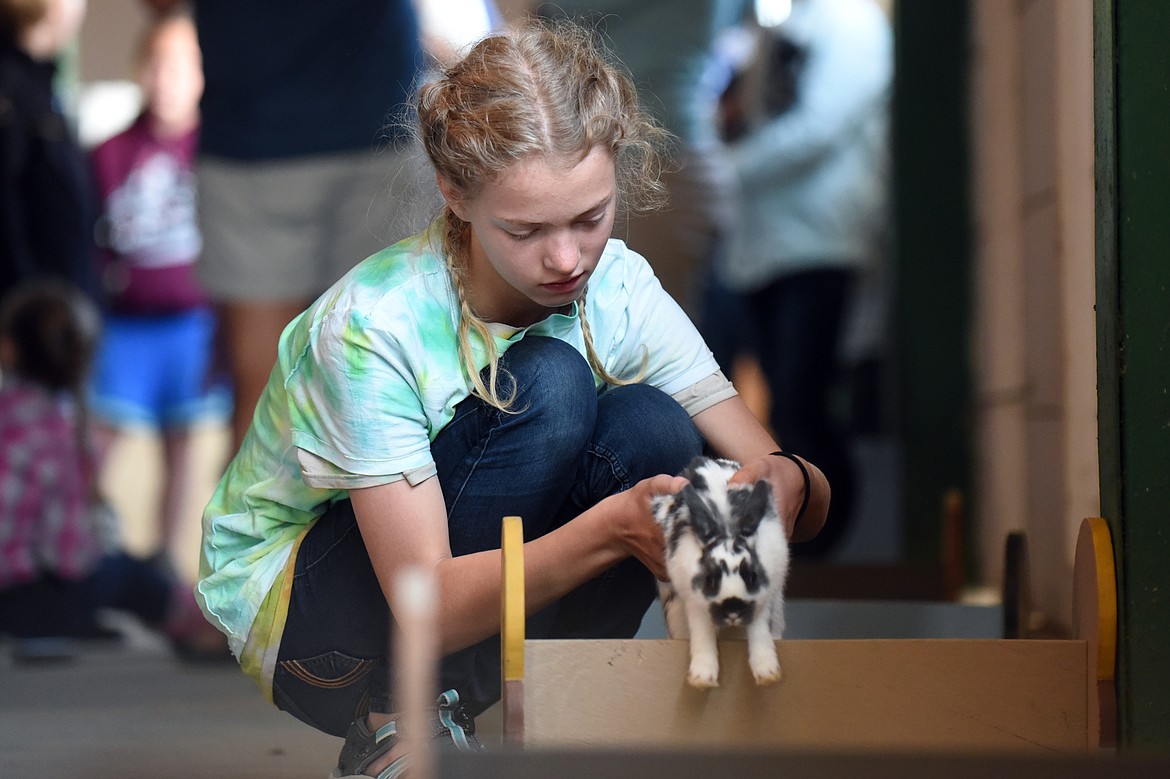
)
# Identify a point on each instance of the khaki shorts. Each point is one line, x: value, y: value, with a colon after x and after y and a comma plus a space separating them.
x: 285, y: 230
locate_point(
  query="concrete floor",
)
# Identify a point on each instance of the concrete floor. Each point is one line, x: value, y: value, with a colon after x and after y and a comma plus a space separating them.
x: 130, y: 709
x: 118, y: 711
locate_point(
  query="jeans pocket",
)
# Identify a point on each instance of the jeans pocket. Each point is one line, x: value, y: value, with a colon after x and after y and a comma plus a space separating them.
x: 327, y: 692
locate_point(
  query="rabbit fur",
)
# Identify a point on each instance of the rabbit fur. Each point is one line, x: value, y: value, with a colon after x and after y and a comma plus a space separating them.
x: 727, y: 558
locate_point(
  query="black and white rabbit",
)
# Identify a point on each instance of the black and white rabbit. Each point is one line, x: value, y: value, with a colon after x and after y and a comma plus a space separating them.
x: 727, y: 557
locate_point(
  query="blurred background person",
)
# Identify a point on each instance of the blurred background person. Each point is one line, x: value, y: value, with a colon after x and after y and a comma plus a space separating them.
x: 46, y: 195
x: 61, y: 563
x: 810, y: 151
x: 155, y: 363
x: 304, y: 165
x: 450, y: 26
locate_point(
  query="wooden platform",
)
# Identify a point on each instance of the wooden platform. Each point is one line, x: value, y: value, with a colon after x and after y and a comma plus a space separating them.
x: 955, y: 695
x: 959, y: 696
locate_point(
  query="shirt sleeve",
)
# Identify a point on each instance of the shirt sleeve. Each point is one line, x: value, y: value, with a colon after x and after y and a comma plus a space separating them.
x: 705, y: 393
x: 356, y: 402
x: 322, y: 474
x: 639, y: 329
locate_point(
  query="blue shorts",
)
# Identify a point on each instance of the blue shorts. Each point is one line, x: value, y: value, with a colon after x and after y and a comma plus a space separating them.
x: 156, y: 371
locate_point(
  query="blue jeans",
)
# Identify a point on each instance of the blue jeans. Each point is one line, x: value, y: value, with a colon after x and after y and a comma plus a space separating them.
x: 562, y: 450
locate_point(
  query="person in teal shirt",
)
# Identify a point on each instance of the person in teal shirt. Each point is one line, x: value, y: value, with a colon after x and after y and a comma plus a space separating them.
x: 512, y: 359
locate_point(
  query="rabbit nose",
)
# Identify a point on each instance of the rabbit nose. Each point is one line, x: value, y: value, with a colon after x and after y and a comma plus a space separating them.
x: 732, y: 611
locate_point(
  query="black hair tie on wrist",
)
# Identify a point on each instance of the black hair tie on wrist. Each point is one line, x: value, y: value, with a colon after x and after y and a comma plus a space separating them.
x: 807, y: 482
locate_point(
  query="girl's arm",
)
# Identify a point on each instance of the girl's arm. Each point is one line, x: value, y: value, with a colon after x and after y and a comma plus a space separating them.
x: 733, y: 431
x: 404, y: 526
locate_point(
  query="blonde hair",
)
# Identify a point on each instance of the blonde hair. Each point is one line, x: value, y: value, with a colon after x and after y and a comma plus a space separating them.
x: 544, y: 89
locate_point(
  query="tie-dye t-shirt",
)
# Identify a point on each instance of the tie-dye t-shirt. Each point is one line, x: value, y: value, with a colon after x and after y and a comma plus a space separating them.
x: 364, y: 381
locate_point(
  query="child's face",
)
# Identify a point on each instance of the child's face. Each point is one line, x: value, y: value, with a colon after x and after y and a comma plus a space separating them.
x: 172, y: 75
x: 537, y: 234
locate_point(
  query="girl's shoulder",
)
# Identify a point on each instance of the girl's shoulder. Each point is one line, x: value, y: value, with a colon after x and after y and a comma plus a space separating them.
x: 621, y: 273
x: 395, y: 286
x: 411, y: 269
x: 618, y: 261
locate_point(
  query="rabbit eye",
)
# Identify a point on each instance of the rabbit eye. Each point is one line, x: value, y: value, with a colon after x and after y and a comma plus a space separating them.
x: 711, y: 582
x: 750, y: 579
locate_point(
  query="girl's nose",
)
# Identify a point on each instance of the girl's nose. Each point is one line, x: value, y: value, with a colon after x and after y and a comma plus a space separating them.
x: 562, y: 253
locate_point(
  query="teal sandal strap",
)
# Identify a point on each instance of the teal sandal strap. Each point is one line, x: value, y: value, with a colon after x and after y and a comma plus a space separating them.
x: 395, y: 769
x: 447, y: 703
x: 375, y: 745
x: 386, y: 731
x: 363, y: 748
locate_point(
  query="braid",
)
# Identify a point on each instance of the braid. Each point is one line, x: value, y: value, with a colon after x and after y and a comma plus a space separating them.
x: 489, y: 392
x: 454, y: 248
x: 591, y: 352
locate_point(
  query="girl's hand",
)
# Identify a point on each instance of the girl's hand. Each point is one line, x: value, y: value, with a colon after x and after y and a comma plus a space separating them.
x: 632, y: 519
x: 787, y: 485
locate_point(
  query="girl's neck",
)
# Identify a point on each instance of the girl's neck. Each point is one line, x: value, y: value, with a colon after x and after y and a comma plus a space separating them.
x: 493, y: 299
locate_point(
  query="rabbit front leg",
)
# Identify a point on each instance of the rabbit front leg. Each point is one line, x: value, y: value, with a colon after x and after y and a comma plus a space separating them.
x: 704, y: 670
x: 762, y: 656
x: 673, y: 611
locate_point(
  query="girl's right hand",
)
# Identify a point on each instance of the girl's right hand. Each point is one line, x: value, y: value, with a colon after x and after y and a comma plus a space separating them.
x: 632, y: 520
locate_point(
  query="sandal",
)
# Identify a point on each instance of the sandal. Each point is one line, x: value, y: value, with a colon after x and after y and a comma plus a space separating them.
x: 363, y: 748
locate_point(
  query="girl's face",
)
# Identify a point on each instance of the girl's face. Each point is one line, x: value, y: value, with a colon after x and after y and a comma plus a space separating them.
x: 537, y: 234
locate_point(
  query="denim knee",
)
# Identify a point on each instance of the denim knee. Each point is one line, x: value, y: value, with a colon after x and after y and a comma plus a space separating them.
x: 647, y: 430
x: 555, y: 393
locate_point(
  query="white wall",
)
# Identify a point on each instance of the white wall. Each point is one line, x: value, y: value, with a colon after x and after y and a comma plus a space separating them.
x: 1034, y: 334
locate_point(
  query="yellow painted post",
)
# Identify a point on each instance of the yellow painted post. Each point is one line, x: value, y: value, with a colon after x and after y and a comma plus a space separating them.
x: 512, y: 630
x: 1095, y: 621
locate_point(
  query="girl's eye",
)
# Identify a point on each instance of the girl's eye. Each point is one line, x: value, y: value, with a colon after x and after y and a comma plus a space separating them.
x: 593, y: 222
x: 521, y: 236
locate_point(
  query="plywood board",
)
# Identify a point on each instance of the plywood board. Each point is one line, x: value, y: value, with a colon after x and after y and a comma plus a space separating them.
x: 839, y: 695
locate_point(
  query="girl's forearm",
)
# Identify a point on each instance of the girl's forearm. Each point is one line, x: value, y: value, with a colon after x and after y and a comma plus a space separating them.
x: 554, y: 565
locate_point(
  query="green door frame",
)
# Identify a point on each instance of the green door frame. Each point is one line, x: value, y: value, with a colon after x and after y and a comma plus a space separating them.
x: 1132, y: 95
x: 931, y: 130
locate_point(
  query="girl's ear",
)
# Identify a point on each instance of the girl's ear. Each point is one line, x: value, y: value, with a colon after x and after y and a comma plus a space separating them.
x: 451, y: 195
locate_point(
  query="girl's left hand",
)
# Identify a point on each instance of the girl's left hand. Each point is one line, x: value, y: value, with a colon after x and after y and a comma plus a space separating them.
x: 632, y: 520
x: 787, y: 485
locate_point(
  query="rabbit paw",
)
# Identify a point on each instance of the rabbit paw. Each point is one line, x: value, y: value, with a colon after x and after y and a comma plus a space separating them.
x: 765, y: 667
x: 704, y: 671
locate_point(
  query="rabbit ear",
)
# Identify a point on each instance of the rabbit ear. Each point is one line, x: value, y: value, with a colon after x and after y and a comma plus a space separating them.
x: 749, y: 506
x: 691, y: 471
x: 701, y: 518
